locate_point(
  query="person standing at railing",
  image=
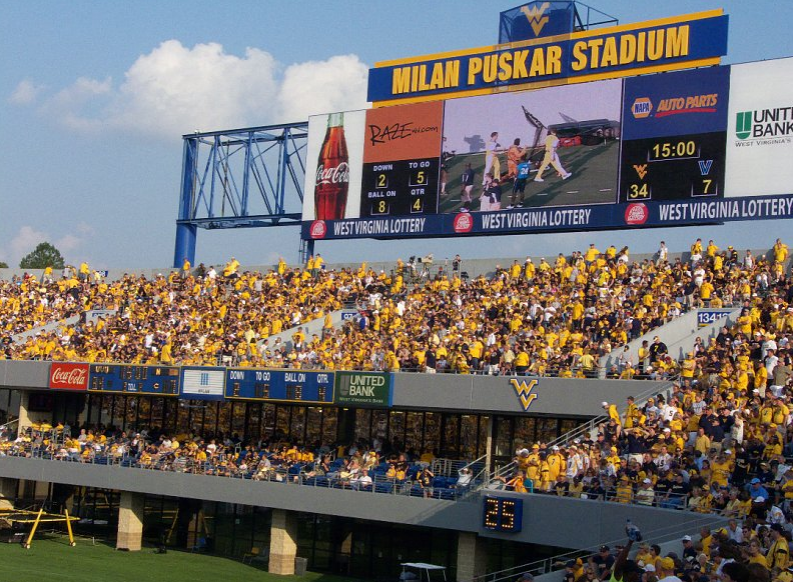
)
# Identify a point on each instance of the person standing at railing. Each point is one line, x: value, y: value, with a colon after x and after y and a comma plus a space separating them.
x: 645, y: 495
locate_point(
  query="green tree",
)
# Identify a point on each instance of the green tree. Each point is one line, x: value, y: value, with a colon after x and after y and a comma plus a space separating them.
x: 3, y: 265
x: 44, y: 255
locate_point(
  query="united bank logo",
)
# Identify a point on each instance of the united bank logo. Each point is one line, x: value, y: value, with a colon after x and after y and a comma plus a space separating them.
x: 536, y: 16
x: 767, y: 126
x: 524, y: 390
x: 743, y: 124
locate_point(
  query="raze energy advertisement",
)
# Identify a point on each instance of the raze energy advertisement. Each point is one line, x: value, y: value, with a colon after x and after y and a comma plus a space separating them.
x: 401, y: 156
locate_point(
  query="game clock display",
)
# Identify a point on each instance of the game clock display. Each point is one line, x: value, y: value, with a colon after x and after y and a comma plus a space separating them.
x: 673, y: 168
x: 402, y: 188
x: 131, y: 379
x: 503, y: 514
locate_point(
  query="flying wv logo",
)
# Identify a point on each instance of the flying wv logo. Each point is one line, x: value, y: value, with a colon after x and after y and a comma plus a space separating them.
x: 536, y: 17
x: 524, y: 392
x: 641, y: 170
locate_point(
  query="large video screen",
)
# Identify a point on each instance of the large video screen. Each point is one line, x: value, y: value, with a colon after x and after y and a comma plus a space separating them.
x: 701, y: 146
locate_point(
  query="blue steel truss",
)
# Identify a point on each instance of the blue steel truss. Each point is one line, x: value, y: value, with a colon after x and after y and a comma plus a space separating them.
x: 240, y: 178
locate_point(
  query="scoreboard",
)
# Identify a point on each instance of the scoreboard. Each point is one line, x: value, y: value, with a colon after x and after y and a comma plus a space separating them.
x: 400, y: 188
x: 303, y: 386
x: 401, y: 160
x: 674, y: 136
x: 681, y: 167
x: 133, y: 379
x: 698, y: 146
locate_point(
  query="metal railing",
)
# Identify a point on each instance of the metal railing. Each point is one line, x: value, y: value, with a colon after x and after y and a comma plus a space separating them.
x: 580, y: 431
x: 548, y: 565
x: 299, y: 474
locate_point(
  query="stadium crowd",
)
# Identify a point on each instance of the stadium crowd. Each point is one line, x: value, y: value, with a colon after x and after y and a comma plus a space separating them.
x: 537, y: 319
x: 718, y: 442
x: 361, y: 466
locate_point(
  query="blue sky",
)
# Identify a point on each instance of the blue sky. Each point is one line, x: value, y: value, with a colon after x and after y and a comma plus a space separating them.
x: 95, y: 95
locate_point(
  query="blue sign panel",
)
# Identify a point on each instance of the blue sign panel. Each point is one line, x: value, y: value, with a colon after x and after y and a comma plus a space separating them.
x: 682, y: 103
x: 707, y: 316
x: 568, y: 219
x: 306, y: 386
x: 536, y: 20
x: 131, y: 379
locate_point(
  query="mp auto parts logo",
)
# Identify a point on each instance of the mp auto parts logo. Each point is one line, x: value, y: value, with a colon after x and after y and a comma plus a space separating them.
x: 536, y: 16
x: 463, y: 222
x: 766, y: 126
x: 636, y: 213
x: 642, y: 107
x: 525, y: 393
x: 690, y: 104
x: 318, y: 229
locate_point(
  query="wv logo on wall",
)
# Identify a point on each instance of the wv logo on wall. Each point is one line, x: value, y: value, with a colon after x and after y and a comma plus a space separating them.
x: 525, y: 391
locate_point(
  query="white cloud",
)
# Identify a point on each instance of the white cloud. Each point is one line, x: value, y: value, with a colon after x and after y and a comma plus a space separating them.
x: 28, y: 237
x: 26, y: 92
x: 338, y: 84
x: 174, y: 90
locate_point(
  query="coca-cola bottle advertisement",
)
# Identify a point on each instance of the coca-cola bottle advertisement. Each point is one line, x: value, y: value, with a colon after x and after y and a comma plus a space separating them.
x: 333, y: 166
x: 332, y: 182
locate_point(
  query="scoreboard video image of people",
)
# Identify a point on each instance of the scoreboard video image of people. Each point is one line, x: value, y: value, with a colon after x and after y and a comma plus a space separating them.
x: 650, y: 150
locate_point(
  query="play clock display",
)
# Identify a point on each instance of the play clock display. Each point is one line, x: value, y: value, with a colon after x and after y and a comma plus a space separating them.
x: 503, y: 514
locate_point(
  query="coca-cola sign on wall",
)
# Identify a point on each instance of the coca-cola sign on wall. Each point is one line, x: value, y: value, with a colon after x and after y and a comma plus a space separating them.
x: 65, y: 376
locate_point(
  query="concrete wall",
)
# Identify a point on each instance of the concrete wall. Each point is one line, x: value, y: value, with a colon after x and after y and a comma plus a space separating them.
x: 24, y: 374
x: 547, y: 520
x: 559, y: 396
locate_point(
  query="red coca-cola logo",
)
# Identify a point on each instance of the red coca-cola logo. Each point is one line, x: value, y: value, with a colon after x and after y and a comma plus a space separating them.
x: 318, y: 229
x: 335, y: 175
x: 69, y: 376
x: 636, y: 213
x: 463, y: 222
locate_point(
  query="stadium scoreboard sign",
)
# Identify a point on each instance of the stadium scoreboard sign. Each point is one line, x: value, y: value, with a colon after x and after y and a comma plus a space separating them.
x: 588, y: 149
x: 660, y: 45
x: 134, y: 379
x: 302, y: 386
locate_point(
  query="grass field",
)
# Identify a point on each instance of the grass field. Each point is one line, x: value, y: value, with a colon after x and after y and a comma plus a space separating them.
x: 594, y: 180
x: 53, y: 559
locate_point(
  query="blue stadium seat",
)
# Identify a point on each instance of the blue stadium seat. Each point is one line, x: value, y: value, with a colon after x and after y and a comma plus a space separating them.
x: 383, y: 488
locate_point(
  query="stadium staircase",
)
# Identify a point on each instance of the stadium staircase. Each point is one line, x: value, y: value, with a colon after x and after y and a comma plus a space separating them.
x: 586, y: 430
x: 23, y: 336
x: 312, y: 327
x: 679, y: 336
